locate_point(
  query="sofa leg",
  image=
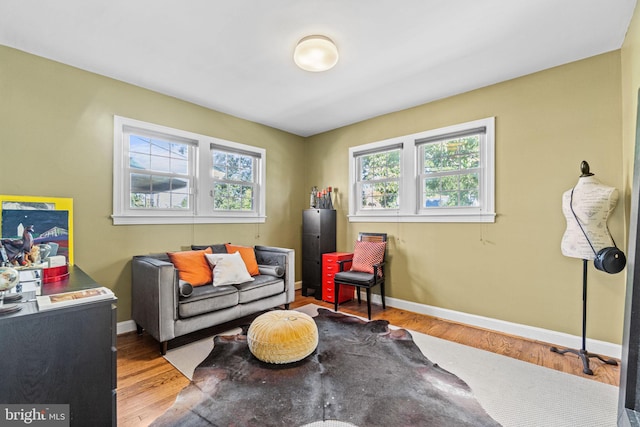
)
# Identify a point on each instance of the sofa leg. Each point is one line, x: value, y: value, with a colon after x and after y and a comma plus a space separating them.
x: 163, y: 347
x: 139, y: 329
x: 286, y: 306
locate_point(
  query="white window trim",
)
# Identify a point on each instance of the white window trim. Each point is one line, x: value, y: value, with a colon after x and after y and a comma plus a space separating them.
x: 202, y: 211
x: 410, y: 187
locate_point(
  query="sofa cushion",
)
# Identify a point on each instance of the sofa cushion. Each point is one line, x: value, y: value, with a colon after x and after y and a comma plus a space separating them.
x: 248, y: 255
x: 206, y: 299
x: 263, y: 286
x: 219, y: 248
x: 228, y: 269
x: 192, y: 266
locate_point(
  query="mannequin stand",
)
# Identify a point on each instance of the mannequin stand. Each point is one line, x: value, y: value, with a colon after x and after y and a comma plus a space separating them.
x: 583, y: 353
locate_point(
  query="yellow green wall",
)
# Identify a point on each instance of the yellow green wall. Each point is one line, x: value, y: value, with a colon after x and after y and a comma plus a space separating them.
x: 630, y: 60
x: 513, y: 270
x: 56, y: 133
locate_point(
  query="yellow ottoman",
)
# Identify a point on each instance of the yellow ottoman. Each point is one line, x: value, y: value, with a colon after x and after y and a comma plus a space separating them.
x: 282, y: 336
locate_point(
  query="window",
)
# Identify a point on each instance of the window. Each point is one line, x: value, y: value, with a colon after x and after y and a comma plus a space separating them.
x: 234, y: 184
x: 160, y: 172
x: 442, y: 175
x: 379, y: 179
x: 169, y: 176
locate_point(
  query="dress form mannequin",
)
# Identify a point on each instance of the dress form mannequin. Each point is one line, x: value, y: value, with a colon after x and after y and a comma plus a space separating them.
x: 593, y: 202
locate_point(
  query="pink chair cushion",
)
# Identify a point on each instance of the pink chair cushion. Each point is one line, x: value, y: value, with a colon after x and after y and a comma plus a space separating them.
x: 366, y: 254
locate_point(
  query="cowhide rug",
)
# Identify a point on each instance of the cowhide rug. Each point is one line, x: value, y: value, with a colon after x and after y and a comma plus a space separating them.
x: 361, y: 373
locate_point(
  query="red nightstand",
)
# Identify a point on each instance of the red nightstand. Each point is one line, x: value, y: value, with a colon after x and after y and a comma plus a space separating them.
x: 329, y: 268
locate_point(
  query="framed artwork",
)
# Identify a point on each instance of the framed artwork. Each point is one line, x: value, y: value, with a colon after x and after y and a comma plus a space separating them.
x: 51, y: 218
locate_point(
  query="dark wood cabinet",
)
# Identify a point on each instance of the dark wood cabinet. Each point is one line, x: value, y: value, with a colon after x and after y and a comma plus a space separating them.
x: 62, y: 356
x: 318, y: 237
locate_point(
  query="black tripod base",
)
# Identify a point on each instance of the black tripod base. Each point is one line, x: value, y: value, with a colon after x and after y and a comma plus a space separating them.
x: 584, y: 355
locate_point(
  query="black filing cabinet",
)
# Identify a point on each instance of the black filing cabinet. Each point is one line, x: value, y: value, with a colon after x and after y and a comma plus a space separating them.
x: 318, y: 237
x: 62, y: 356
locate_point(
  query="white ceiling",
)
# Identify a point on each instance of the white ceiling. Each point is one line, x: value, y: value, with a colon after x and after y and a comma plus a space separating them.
x: 236, y: 56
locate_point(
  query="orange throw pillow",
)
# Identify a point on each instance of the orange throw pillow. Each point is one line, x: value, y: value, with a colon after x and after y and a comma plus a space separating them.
x: 248, y: 256
x: 192, y: 266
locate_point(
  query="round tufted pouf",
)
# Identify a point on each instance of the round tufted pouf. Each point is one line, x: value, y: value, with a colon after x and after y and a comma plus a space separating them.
x: 282, y: 336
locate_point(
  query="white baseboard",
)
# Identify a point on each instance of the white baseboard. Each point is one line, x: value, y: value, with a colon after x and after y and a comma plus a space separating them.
x: 126, y: 326
x: 556, y: 338
x: 559, y: 339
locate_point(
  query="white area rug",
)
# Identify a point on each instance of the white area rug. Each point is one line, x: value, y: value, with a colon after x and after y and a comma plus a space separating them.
x: 514, y: 393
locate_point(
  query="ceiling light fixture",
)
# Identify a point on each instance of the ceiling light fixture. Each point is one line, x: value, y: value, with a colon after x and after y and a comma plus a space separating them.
x: 316, y: 53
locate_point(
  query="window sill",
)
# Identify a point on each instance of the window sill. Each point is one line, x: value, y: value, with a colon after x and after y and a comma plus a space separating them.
x: 172, y: 219
x: 475, y: 217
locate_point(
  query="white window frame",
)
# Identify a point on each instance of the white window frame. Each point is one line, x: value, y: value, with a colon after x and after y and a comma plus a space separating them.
x: 359, y: 183
x: 410, y: 186
x: 201, y: 207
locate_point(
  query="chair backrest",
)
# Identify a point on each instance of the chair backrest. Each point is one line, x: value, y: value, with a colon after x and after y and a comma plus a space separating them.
x: 372, y: 237
x: 376, y: 237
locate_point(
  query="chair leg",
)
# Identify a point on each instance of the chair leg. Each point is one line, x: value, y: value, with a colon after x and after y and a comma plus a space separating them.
x: 336, y: 292
x: 382, y: 295
x: 358, y: 292
x: 369, y: 303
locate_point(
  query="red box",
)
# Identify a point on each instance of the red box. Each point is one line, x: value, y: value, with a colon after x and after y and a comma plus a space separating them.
x: 55, y: 274
x: 330, y: 267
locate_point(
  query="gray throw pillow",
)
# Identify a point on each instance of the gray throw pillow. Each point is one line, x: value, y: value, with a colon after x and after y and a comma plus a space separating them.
x: 217, y: 248
x: 271, y: 270
x: 185, y: 289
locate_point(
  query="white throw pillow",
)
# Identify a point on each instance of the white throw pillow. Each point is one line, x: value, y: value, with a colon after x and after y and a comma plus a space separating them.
x: 228, y: 269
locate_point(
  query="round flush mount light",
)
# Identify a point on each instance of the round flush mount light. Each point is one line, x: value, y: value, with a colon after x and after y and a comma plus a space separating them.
x: 315, y: 53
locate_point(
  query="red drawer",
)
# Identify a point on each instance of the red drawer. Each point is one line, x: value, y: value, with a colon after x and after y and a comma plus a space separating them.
x: 329, y: 268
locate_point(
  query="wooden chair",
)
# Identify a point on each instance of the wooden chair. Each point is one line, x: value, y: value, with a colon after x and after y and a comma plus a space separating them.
x: 360, y: 279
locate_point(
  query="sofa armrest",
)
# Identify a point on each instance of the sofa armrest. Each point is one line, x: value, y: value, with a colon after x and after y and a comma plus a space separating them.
x: 283, y: 257
x: 154, y: 296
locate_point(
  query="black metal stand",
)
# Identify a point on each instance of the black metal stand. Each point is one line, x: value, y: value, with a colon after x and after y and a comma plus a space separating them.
x: 583, y: 353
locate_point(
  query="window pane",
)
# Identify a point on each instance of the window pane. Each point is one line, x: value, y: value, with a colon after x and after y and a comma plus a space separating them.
x: 232, y: 167
x: 160, y: 148
x: 160, y: 192
x: 469, y: 198
x: 139, y: 144
x: 233, y: 197
x: 381, y: 195
x: 139, y: 161
x: 180, y: 166
x: 379, y: 175
x: 450, y: 176
x: 451, y: 155
x: 451, y: 191
x: 230, y: 171
x: 157, y: 155
x: 380, y: 165
x: 160, y: 164
x: 432, y: 193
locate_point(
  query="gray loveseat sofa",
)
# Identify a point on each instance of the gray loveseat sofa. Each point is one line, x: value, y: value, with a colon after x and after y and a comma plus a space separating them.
x: 161, y: 306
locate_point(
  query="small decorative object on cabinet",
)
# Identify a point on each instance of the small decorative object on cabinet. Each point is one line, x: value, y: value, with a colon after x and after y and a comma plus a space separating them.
x: 329, y: 269
x: 318, y: 237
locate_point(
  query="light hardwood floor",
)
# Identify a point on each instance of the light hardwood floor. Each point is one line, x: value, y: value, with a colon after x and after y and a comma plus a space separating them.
x: 148, y: 384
